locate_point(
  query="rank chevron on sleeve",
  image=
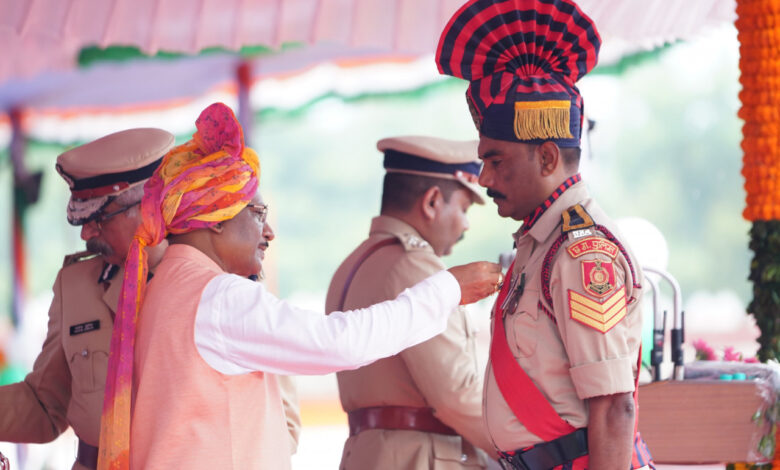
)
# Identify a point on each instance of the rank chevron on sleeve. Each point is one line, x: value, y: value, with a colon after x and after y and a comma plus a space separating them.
x: 599, y: 315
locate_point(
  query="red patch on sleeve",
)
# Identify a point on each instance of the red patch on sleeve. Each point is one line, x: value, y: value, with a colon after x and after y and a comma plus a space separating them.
x: 593, y: 245
x: 598, y: 277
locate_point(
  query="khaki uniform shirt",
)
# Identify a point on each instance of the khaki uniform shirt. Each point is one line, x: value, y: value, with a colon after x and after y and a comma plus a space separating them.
x: 67, y: 383
x: 440, y: 373
x: 68, y: 378
x: 579, y: 357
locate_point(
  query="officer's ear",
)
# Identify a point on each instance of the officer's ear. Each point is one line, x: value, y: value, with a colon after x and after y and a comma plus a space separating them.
x: 549, y: 157
x: 431, y: 202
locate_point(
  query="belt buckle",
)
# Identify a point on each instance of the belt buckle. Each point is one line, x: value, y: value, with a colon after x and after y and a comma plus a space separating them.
x: 512, y: 462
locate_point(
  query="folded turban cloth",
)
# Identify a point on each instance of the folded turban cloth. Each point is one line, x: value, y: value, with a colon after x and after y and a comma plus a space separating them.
x: 522, y: 58
x: 207, y: 180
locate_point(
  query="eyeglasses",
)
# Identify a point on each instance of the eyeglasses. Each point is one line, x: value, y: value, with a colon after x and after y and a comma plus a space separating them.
x: 100, y: 217
x: 260, y: 210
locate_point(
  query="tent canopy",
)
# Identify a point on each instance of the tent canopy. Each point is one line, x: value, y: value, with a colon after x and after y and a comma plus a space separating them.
x: 42, y: 41
x: 41, y: 35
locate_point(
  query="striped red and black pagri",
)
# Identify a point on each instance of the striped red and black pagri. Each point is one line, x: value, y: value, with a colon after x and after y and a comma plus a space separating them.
x: 520, y: 51
x: 530, y: 219
x: 496, y: 88
x: 522, y: 37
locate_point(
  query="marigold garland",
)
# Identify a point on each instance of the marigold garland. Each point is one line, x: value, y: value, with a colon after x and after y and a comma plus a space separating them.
x: 758, y: 25
x: 759, y: 36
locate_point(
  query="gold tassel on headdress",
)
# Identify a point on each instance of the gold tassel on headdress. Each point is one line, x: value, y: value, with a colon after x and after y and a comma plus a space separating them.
x: 542, y: 119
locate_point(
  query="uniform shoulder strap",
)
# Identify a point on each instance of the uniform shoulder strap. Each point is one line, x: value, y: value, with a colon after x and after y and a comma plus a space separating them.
x: 366, y: 254
x: 573, y: 219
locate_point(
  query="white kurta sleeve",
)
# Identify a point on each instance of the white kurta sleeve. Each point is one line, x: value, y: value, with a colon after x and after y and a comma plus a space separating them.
x: 240, y: 327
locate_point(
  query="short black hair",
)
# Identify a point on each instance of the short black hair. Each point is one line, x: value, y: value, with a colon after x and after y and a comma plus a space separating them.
x: 400, y: 191
x: 571, y: 157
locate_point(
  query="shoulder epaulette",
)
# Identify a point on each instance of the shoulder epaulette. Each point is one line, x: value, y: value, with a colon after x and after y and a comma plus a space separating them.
x: 76, y: 257
x: 576, y: 218
x: 584, y: 236
x: 413, y: 242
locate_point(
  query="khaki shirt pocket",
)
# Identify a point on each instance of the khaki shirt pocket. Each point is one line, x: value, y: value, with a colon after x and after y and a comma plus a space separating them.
x: 88, y: 364
x: 523, y: 325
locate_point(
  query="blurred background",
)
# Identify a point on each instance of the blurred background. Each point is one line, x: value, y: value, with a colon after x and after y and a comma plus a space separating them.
x: 663, y: 153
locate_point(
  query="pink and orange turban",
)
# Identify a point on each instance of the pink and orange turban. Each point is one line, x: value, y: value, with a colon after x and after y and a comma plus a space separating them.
x: 205, y: 181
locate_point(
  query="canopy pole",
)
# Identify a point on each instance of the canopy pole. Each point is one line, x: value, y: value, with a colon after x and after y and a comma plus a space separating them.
x: 19, y: 275
x: 245, y: 115
x: 26, y: 189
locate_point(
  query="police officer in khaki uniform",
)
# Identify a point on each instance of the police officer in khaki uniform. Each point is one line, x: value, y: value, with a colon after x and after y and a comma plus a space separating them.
x: 66, y: 386
x: 421, y: 408
x: 561, y: 381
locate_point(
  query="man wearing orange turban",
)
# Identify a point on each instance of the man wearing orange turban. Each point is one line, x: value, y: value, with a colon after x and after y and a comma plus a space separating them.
x: 195, y: 392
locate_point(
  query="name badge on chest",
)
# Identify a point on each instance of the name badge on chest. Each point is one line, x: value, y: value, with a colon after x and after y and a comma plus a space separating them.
x: 84, y: 327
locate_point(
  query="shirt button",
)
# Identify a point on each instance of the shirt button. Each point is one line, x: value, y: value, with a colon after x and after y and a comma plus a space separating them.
x: 464, y: 457
x: 84, y: 353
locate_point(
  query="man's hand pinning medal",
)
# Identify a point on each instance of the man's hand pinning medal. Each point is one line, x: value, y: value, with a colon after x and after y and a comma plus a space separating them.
x: 477, y: 280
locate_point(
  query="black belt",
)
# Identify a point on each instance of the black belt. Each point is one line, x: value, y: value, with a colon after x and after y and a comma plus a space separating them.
x: 87, y: 455
x: 548, y: 455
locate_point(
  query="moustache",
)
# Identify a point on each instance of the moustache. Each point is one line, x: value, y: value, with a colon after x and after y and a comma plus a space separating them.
x: 495, y: 194
x: 99, y: 247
